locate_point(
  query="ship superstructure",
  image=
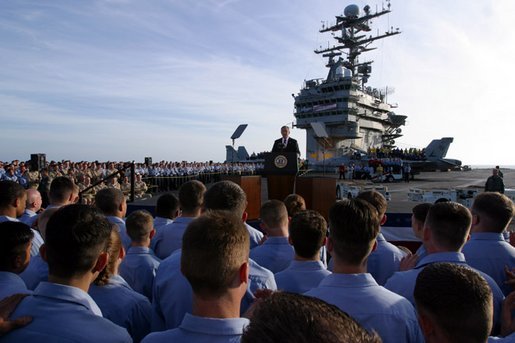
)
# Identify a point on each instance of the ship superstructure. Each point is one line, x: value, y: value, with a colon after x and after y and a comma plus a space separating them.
x: 341, y: 115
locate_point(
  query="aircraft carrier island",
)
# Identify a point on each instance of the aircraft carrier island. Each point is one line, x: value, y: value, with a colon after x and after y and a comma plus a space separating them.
x: 341, y: 114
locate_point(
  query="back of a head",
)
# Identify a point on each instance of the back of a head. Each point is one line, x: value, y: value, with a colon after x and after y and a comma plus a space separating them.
x: 458, y: 299
x: 308, y: 230
x: 288, y: 317
x: 75, y: 236
x: 139, y: 224
x: 167, y: 206
x: 449, y: 223
x: 495, y: 209
x: 273, y: 214
x: 376, y: 199
x: 294, y: 203
x: 61, y: 190
x: 226, y: 196
x: 191, y: 195
x: 420, y: 211
x: 214, y: 246
x: 108, y: 200
x: 43, y: 219
x: 15, y: 237
x: 9, y: 192
x: 113, y: 247
x: 354, y: 225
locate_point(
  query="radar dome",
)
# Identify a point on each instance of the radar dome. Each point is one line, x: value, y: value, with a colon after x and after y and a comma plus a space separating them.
x: 351, y: 11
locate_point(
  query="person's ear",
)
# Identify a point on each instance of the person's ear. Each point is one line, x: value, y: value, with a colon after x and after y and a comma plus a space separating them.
x: 152, y: 233
x: 289, y: 240
x: 42, y: 252
x: 426, y: 324
x: 243, y: 273
x: 383, y: 220
x: 245, y: 216
x: 101, y: 262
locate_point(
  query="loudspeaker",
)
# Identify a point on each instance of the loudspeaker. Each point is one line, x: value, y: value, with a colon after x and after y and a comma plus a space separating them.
x: 37, y: 161
x: 148, y: 161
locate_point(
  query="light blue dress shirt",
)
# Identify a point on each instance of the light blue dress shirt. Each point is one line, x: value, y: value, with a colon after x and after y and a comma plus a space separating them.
x: 403, y: 283
x: 490, y: 253
x: 172, y: 294
x: 301, y: 276
x: 10, y: 284
x: 123, y: 306
x: 63, y: 314
x: 373, y: 306
x: 36, y: 271
x: 126, y: 240
x: 169, y: 237
x: 194, y: 329
x: 385, y: 260
x: 139, y: 268
x: 159, y: 222
x: 275, y: 254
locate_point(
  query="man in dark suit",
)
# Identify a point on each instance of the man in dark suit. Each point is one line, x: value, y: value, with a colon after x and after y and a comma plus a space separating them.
x: 286, y: 143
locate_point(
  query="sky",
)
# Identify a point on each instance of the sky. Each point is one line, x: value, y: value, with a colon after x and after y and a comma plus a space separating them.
x: 124, y: 79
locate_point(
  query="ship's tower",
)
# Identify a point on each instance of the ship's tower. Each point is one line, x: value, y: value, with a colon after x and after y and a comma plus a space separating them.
x: 355, y: 117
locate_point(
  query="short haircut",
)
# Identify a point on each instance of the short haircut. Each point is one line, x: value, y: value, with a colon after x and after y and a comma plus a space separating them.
x: 213, y: 248
x: 139, y: 224
x: 354, y: 225
x: 226, y: 196
x: 294, y: 203
x: 449, y: 223
x: 420, y: 211
x: 376, y: 199
x: 308, y: 230
x: 494, y: 208
x: 9, y: 192
x: 108, y: 200
x: 289, y: 317
x: 75, y: 236
x: 114, y: 245
x: 167, y: 206
x: 61, y: 189
x: 191, y: 195
x: 14, y: 237
x: 458, y: 299
x: 273, y: 213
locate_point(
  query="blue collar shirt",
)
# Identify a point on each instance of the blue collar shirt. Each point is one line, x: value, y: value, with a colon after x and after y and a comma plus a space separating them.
x: 169, y: 238
x: 385, y: 260
x: 255, y: 236
x: 126, y: 240
x: 36, y: 271
x: 194, y: 329
x: 123, y: 306
x: 490, y: 253
x: 403, y: 283
x: 373, y: 306
x: 139, y: 268
x: 301, y: 276
x: 63, y: 314
x: 275, y: 254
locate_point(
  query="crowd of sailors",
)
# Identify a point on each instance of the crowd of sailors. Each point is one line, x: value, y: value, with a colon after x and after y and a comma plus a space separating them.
x: 196, y: 271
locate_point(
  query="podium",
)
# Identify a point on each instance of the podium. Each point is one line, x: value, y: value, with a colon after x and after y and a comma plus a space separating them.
x: 318, y: 192
x: 251, y: 185
x: 281, y: 169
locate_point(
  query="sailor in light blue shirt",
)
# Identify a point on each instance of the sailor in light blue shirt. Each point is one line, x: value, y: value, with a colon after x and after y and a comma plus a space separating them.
x: 139, y: 268
x: 37, y: 241
x: 308, y: 231
x: 490, y: 253
x: 275, y: 253
x: 215, y: 242
x: 159, y: 222
x: 63, y: 313
x: 255, y: 235
x: 169, y: 307
x: 123, y: 306
x: 166, y: 210
x: 33, y: 205
x: 354, y: 226
x: 301, y: 276
x: 202, y: 329
x: 169, y: 238
x: 385, y: 260
x: 28, y: 217
x: 487, y: 249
